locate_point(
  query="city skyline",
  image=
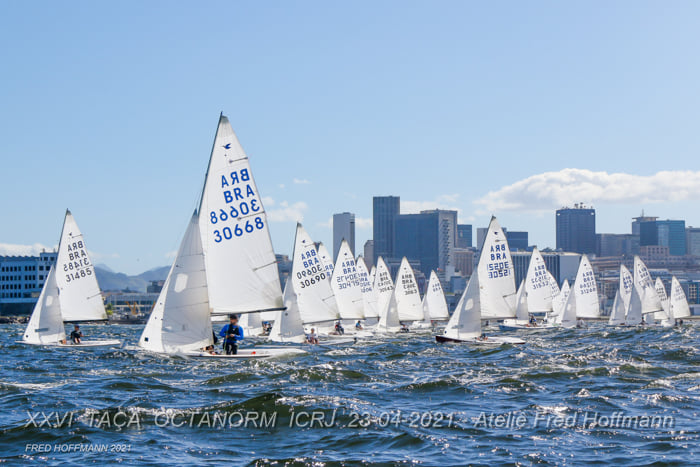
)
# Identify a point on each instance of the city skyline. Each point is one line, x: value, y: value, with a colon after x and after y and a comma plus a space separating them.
x: 516, y: 125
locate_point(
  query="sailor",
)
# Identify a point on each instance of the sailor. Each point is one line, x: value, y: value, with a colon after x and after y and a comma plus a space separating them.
x: 312, y: 338
x: 482, y: 337
x: 210, y: 350
x: 404, y: 327
x: 339, y: 328
x: 533, y: 321
x: 232, y: 333
x: 358, y: 325
x: 76, y: 335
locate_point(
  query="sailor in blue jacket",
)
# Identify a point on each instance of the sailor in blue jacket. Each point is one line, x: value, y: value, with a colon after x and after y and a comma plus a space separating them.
x: 232, y: 333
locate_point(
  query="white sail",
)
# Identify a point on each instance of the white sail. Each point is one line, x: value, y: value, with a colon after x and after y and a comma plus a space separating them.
x: 241, y: 264
x: 347, y: 284
x: 383, y: 286
x: 679, y: 308
x: 180, y: 321
x: 645, y: 288
x: 568, y: 315
x: 326, y: 260
x: 465, y: 322
x: 369, y: 297
x: 617, y: 315
x: 80, y: 296
x: 586, y: 291
x: 288, y: 326
x: 407, y: 294
x: 316, y: 301
x: 555, y: 291
x: 537, y: 287
x: 625, y: 287
x: 633, y: 317
x: 389, y: 320
x: 372, y: 275
x: 46, y: 323
x: 559, y: 304
x: 521, y: 304
x: 435, y: 306
x: 251, y: 324
x: 496, y: 275
x: 661, y: 292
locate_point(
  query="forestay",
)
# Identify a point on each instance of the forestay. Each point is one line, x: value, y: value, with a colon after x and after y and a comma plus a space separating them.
x: 240, y: 260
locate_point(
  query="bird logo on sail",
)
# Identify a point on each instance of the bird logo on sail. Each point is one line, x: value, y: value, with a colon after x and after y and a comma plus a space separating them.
x: 226, y: 146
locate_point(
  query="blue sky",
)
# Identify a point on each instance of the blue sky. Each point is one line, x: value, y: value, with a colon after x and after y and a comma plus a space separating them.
x: 110, y: 109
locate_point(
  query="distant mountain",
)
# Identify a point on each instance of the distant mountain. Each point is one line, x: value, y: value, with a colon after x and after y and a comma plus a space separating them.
x: 104, y: 266
x: 111, y: 281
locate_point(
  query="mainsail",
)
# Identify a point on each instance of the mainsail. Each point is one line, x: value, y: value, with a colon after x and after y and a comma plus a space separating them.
x: 383, y: 286
x: 180, y: 320
x: 435, y: 305
x: 80, y: 296
x: 521, y: 304
x: 626, y: 284
x: 617, y: 315
x: 661, y: 292
x: 651, y: 303
x: 407, y: 295
x: 679, y: 308
x: 326, y: 260
x: 369, y: 297
x: 240, y: 261
x: 496, y: 275
x: 347, y: 285
x: 537, y: 287
x: 317, y: 303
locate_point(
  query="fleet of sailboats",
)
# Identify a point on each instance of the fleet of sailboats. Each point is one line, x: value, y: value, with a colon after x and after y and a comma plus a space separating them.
x: 226, y: 265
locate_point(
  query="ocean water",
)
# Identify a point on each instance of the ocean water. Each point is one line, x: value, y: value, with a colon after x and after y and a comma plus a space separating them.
x: 566, y: 397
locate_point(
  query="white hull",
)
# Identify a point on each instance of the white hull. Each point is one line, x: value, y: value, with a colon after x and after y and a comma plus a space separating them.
x: 254, y: 353
x: 479, y: 341
x: 85, y: 343
x: 506, y: 326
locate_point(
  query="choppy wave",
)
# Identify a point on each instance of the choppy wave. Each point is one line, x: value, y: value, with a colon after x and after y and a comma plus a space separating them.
x: 565, y: 397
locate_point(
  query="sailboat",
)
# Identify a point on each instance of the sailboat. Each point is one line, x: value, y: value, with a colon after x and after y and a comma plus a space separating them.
x: 326, y: 260
x: 225, y: 264
x: 559, y: 302
x: 490, y: 294
x: 582, y: 302
x: 645, y: 300
x: 386, y: 300
x: 408, y: 302
x: 70, y: 294
x: 536, y: 297
x: 288, y: 326
x: 662, y: 316
x: 678, y: 303
x: 434, y: 303
x: 617, y: 315
x: 369, y: 296
x: 347, y: 286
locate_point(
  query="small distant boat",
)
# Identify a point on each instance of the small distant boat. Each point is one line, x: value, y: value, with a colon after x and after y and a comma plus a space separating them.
x: 490, y: 294
x: 386, y: 300
x: 434, y: 304
x: 369, y: 295
x: 408, y: 302
x: 583, y: 302
x: 70, y: 294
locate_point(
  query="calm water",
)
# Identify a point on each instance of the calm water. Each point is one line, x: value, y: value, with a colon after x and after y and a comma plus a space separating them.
x: 404, y: 399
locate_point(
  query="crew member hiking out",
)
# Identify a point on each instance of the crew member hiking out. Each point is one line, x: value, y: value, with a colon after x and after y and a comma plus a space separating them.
x: 232, y: 333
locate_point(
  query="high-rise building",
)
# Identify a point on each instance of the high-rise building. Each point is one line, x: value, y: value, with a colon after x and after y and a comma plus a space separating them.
x: 369, y: 254
x: 692, y: 241
x: 637, y: 223
x: 576, y: 229
x: 481, y: 236
x: 384, y: 212
x: 343, y: 229
x: 428, y: 237
x: 517, y: 241
x: 561, y: 265
x: 21, y: 281
x: 671, y: 233
x: 464, y: 261
x: 464, y: 236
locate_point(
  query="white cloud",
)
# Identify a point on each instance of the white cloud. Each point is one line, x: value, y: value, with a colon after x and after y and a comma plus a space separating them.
x: 551, y: 190
x: 287, y: 212
x: 328, y: 224
x: 281, y: 185
x: 301, y: 181
x: 9, y: 249
x: 363, y: 222
x: 441, y: 202
x: 267, y: 201
x: 171, y: 254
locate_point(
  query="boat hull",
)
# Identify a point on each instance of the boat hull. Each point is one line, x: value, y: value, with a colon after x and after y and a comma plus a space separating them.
x: 258, y: 353
x: 526, y: 327
x: 479, y: 341
x: 83, y: 344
